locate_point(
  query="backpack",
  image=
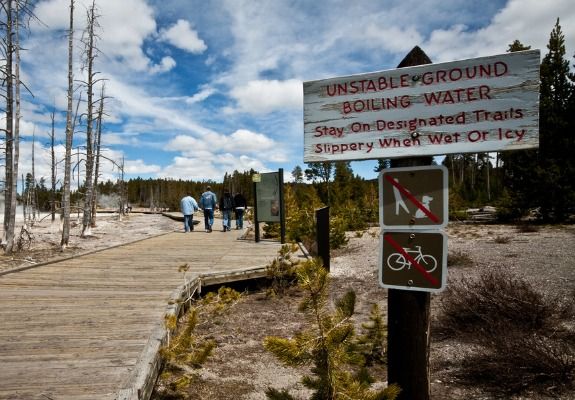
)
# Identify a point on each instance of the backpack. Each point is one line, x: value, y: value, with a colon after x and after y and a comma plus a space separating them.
x: 228, y: 203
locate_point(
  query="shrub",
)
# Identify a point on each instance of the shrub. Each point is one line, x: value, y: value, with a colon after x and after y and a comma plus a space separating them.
x: 355, y: 218
x: 495, y: 298
x: 521, y: 340
x: 527, y: 228
x: 271, y: 230
x: 337, y: 237
x: 502, y: 239
x: 372, y: 343
x: 186, y: 350
x: 459, y: 259
x: 282, y: 270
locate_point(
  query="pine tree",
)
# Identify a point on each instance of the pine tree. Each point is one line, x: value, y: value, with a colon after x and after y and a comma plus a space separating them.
x: 327, y: 345
x: 556, y: 139
x: 544, y: 178
x: 372, y: 343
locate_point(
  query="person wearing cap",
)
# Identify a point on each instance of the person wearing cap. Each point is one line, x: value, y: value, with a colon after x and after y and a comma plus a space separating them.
x: 208, y: 203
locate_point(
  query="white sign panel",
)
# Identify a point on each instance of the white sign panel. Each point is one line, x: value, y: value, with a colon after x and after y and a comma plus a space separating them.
x: 469, y: 106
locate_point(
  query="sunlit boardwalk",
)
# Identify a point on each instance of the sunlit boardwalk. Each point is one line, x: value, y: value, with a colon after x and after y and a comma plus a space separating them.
x: 89, y: 327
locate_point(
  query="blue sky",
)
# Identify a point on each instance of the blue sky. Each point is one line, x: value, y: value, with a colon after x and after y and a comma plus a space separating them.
x: 198, y: 88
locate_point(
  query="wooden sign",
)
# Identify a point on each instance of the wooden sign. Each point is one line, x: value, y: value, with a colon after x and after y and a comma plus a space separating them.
x: 468, y: 106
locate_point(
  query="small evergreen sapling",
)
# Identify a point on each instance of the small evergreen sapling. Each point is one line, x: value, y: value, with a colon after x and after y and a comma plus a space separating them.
x: 282, y: 270
x: 327, y: 345
x: 372, y: 343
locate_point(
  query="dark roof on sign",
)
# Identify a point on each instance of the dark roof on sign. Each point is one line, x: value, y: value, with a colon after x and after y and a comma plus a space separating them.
x: 415, y: 57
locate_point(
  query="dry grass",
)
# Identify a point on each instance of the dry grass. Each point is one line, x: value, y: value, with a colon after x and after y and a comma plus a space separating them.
x: 459, y: 259
x: 520, y: 336
x: 502, y: 239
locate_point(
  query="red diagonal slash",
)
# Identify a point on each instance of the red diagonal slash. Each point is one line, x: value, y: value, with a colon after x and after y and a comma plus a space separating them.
x: 430, y: 278
x: 411, y: 197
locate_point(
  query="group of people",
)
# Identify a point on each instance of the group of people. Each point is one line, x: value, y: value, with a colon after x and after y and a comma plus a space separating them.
x: 208, y: 204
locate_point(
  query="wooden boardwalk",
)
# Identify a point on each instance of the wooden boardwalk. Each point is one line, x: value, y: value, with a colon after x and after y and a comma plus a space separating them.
x: 89, y: 327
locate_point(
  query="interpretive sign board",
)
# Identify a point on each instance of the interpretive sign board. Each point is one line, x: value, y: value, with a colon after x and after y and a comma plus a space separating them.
x: 268, y: 197
x: 413, y: 198
x: 413, y: 260
x: 468, y: 106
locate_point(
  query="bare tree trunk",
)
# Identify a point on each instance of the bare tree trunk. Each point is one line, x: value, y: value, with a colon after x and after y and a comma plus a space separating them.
x: 9, y: 207
x: 100, y: 119
x: 16, y: 146
x: 122, y: 183
x: 69, y: 136
x: 89, y: 181
x: 53, y: 170
x: 26, y: 201
x: 33, y: 187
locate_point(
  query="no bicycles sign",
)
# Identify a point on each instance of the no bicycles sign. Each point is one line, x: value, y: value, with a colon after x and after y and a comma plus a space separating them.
x: 413, y: 260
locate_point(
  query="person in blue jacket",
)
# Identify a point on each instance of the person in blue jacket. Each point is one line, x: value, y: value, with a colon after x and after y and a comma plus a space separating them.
x: 188, y: 205
x: 208, y: 203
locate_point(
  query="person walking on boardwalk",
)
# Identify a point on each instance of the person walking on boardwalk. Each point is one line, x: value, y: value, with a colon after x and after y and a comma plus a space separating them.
x: 240, y: 204
x: 227, y: 205
x: 188, y: 205
x: 208, y: 203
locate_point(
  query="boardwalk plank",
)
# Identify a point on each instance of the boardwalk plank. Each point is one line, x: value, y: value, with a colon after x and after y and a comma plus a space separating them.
x: 81, y: 328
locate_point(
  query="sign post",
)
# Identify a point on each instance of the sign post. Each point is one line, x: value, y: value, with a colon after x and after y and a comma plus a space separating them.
x: 412, y: 113
x: 409, y: 312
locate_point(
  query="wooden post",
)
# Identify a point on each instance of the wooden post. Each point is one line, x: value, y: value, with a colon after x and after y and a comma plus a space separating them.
x: 256, y: 222
x: 408, y: 312
x: 322, y: 235
x: 282, y: 207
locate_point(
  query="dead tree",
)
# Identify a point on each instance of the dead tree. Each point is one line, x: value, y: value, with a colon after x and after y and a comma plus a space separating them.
x: 69, y: 136
x: 9, y: 211
x: 97, y: 149
x: 33, y: 193
x: 91, y: 52
x: 53, y: 169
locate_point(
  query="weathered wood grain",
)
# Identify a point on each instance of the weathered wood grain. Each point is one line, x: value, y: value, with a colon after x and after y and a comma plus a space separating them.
x: 89, y: 327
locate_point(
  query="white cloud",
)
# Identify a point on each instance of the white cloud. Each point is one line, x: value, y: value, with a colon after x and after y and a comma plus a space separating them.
x: 376, y: 35
x: 139, y: 166
x: 212, y: 146
x: 192, y: 169
x: 201, y: 95
x: 165, y: 65
x: 264, y: 96
x: 529, y: 21
x: 245, y: 141
x: 183, y: 36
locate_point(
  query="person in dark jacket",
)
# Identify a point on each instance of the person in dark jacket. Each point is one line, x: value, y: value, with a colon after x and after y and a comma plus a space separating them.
x: 240, y: 205
x: 226, y: 206
x: 208, y: 204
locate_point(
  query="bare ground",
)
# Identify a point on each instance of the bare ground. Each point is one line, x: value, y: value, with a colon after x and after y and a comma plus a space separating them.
x: 241, y: 369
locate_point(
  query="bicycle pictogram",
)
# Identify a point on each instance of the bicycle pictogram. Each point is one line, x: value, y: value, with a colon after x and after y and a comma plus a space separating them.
x: 398, y: 261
